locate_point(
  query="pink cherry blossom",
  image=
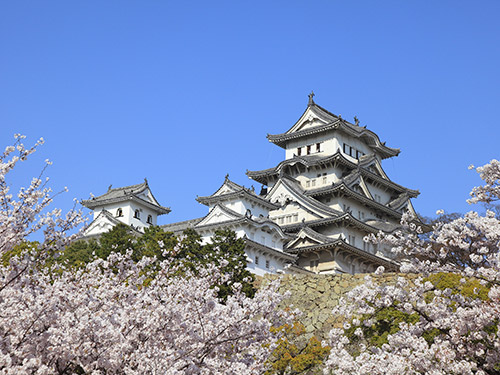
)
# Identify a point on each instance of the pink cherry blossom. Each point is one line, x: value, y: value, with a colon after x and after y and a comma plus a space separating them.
x: 465, y: 328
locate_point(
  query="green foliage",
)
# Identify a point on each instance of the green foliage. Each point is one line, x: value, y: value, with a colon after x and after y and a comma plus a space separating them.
x: 18, y: 250
x: 386, y: 322
x: 470, y: 288
x: 225, y: 250
x: 79, y: 253
x: 224, y: 245
x: 294, y: 354
x: 154, y: 242
x: 119, y: 239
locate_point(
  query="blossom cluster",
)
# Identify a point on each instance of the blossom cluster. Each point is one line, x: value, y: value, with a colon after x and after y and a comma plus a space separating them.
x: 445, y: 320
x: 27, y: 213
x: 111, y: 318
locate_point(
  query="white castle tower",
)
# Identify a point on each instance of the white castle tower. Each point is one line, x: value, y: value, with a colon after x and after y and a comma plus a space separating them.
x: 331, y: 191
x: 133, y: 205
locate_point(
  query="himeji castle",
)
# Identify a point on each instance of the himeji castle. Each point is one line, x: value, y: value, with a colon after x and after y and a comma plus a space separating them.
x: 332, y: 191
x: 314, y: 208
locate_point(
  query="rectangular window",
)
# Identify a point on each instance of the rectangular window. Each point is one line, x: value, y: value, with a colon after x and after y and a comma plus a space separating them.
x: 280, y: 220
x: 352, y: 240
x: 313, y: 182
x: 313, y: 264
x: 288, y: 219
x: 345, y: 148
x: 256, y: 260
x: 366, y: 246
x: 309, y: 150
x: 267, y: 263
x: 318, y: 147
x: 324, y: 180
x: 308, y: 183
x: 296, y: 217
x: 299, y: 151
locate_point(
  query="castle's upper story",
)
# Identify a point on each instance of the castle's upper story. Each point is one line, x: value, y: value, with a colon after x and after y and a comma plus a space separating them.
x: 321, y: 133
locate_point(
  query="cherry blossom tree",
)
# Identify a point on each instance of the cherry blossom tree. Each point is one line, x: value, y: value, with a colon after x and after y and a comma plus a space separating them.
x: 116, y: 315
x: 445, y: 319
x: 109, y: 319
x: 28, y: 213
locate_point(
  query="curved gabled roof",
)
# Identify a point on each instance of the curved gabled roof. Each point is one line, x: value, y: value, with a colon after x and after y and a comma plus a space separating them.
x: 269, y: 250
x: 344, y: 189
x: 306, y: 160
x: 127, y: 193
x: 263, y: 176
x: 349, y: 248
x: 230, y: 190
x: 330, y: 122
x: 297, y: 193
x: 345, y: 218
x: 233, y: 218
x: 106, y: 215
x: 310, y: 234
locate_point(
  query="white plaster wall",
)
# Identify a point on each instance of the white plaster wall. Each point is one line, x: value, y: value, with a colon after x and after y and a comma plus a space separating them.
x: 260, y: 236
x: 275, y: 265
x: 332, y: 176
x: 326, y: 140
x: 353, y: 142
x: 325, y: 261
x: 241, y: 206
x: 330, y: 144
x: 265, y: 237
x: 288, y: 211
x: 328, y: 265
x: 128, y: 209
x: 112, y: 209
x: 99, y: 227
x: 355, y: 208
x: 384, y: 195
x: 144, y: 212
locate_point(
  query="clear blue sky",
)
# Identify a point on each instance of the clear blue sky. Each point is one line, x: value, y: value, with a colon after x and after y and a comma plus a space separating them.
x: 184, y: 92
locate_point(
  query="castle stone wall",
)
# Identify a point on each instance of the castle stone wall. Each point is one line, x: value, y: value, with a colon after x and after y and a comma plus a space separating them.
x: 317, y: 295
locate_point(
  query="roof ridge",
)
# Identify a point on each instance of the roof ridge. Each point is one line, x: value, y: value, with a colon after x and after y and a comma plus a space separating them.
x: 128, y: 187
x: 314, y: 202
